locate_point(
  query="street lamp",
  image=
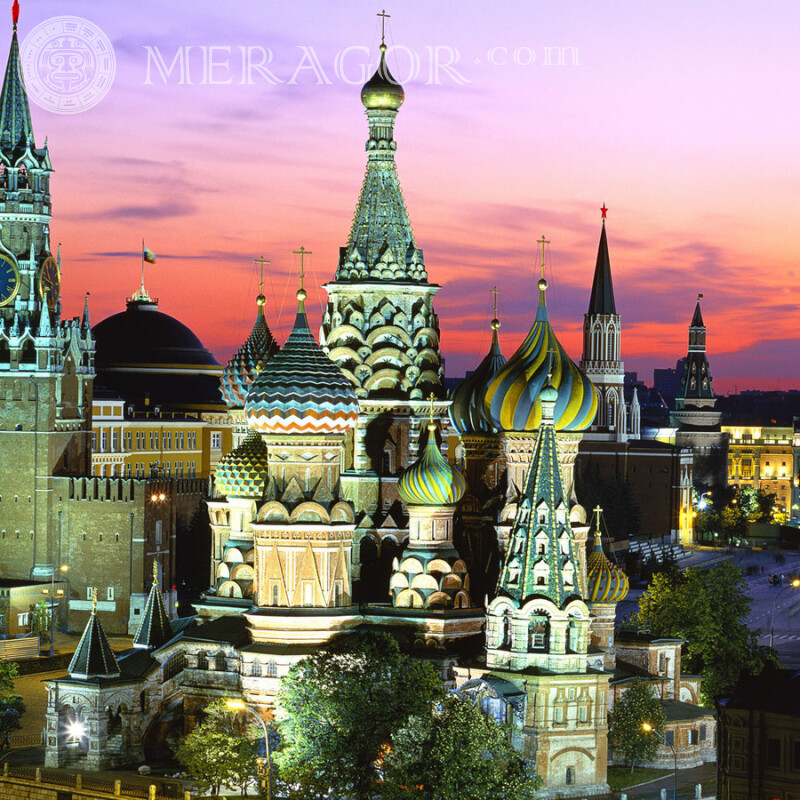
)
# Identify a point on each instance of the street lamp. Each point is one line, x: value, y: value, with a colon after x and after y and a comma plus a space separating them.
x: 262, y: 764
x: 63, y: 568
x: 793, y: 585
x: 648, y: 728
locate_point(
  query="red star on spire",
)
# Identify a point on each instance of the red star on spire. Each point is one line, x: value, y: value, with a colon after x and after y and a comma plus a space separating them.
x: 604, y: 211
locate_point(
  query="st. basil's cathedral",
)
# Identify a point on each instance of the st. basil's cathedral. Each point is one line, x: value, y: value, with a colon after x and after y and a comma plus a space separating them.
x: 359, y: 495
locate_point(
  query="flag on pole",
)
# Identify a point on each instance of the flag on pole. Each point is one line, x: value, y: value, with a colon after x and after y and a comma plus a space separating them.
x: 149, y: 256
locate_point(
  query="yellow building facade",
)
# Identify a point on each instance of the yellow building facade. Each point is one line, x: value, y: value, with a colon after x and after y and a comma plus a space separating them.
x: 762, y: 457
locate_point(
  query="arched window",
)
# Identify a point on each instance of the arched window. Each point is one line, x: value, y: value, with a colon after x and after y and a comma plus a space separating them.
x: 255, y: 669
x: 202, y: 660
x: 220, y: 662
x: 28, y: 354
x: 272, y: 669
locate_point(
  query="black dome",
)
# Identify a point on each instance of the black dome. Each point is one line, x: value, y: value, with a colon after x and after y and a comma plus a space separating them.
x: 142, y: 335
x: 147, y: 356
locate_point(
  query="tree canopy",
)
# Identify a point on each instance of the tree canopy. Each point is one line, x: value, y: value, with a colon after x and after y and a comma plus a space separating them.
x: 637, y: 706
x: 709, y: 610
x: 11, y: 706
x: 453, y: 752
x: 221, y: 750
x: 339, y: 708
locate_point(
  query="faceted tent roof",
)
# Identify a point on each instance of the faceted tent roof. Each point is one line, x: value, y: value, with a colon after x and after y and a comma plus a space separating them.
x: 301, y: 390
x: 154, y: 629
x: 542, y: 518
x: 93, y: 657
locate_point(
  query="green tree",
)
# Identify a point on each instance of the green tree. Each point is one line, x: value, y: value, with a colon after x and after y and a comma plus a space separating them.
x: 637, y: 706
x: 338, y: 709
x: 11, y: 706
x: 709, y: 610
x: 220, y: 750
x: 453, y: 752
x: 40, y: 622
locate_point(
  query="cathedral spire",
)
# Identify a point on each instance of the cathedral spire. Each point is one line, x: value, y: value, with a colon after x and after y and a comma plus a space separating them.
x: 696, y: 381
x: 154, y: 629
x: 93, y: 657
x: 16, y: 129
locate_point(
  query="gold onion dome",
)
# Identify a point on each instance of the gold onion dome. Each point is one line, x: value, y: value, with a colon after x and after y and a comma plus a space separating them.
x: 243, y: 471
x: 467, y: 412
x: 300, y: 390
x: 605, y: 582
x: 241, y: 370
x: 510, y: 397
x: 431, y: 481
x: 382, y: 91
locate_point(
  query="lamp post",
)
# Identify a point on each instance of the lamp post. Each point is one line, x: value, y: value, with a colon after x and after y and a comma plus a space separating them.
x: 262, y: 764
x: 648, y: 728
x: 793, y: 585
x: 53, y: 595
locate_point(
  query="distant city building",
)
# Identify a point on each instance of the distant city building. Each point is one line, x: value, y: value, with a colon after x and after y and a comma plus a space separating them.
x: 759, y: 737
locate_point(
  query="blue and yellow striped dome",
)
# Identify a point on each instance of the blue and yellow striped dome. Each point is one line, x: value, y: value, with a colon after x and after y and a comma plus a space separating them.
x: 243, y: 471
x: 431, y: 481
x: 605, y: 582
x: 510, y: 398
x: 300, y: 390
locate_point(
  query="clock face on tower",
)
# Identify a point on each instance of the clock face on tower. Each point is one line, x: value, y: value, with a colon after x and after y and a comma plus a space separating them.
x: 9, y: 279
x: 50, y: 282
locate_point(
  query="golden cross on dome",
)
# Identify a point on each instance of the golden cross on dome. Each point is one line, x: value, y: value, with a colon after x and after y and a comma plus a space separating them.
x: 432, y: 397
x: 94, y: 599
x: 597, y: 510
x: 542, y: 242
x: 551, y: 352
x: 261, y: 261
x: 495, y: 291
x: 155, y: 570
x: 302, y: 252
x: 384, y: 16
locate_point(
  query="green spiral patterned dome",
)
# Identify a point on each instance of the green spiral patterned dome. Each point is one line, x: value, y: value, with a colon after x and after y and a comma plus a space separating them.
x: 243, y: 471
x: 431, y: 481
x: 605, y: 582
x: 510, y: 398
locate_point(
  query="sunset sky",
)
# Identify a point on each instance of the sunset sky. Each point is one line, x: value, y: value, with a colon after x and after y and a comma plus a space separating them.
x: 682, y: 117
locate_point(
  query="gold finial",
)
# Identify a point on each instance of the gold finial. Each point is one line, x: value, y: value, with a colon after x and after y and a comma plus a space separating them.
x: 495, y: 321
x: 302, y: 252
x: 155, y: 570
x: 261, y: 299
x: 94, y: 599
x: 699, y: 297
x: 384, y: 16
x: 598, y: 511
x: 431, y: 423
x: 542, y: 281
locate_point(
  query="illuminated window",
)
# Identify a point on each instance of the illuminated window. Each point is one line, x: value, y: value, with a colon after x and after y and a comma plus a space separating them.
x: 216, y: 441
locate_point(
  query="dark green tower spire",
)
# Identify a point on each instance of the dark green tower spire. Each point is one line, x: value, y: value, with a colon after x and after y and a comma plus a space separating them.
x: 16, y: 129
x: 541, y: 560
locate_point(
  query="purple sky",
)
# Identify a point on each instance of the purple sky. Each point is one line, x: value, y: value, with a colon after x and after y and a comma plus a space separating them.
x: 681, y: 117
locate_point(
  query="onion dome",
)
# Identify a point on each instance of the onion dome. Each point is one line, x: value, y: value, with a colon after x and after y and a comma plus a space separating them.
x: 243, y: 471
x: 259, y: 347
x: 510, y: 397
x: 431, y: 481
x: 605, y: 582
x: 301, y: 390
x: 466, y: 411
x: 382, y: 91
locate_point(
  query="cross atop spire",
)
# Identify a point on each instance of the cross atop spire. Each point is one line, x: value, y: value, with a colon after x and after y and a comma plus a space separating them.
x: 598, y: 511
x: 542, y: 242
x: 261, y: 299
x: 302, y: 252
x: 384, y: 16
